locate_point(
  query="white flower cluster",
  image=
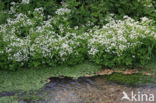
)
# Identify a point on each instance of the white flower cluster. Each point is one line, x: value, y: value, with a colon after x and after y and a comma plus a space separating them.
x: 117, y: 36
x: 62, y: 11
x: 39, y: 10
x: 18, y: 49
x: 47, y: 43
x: 25, y: 1
x: 20, y: 18
x: 52, y: 39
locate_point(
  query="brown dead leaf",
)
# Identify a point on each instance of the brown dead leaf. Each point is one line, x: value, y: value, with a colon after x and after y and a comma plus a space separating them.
x: 147, y: 74
x: 48, y: 80
x: 105, y: 72
x: 127, y: 71
x: 61, y: 77
x: 133, y: 71
x: 118, y: 71
x: 87, y: 75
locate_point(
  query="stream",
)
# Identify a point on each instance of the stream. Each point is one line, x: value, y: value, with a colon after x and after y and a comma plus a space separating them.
x: 93, y: 90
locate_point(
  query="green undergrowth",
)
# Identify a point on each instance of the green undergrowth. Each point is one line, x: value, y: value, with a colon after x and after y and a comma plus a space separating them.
x: 151, y: 67
x: 27, y: 98
x: 33, y: 79
x: 9, y: 99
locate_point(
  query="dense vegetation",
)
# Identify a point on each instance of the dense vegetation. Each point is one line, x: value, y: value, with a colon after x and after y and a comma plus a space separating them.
x: 55, y: 35
x: 54, y: 32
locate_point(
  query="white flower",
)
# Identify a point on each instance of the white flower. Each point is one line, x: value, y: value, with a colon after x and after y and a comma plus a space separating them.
x: 39, y: 9
x: 65, y: 46
x: 144, y: 19
x: 133, y: 56
x: 76, y: 27
x: 62, y: 11
x: 93, y: 51
x: 1, y: 52
x: 25, y: 1
x: 119, y: 35
x: 13, y: 3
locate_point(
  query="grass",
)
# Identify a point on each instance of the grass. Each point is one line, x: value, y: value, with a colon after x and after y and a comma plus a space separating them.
x: 10, y: 99
x: 151, y: 67
x: 34, y: 79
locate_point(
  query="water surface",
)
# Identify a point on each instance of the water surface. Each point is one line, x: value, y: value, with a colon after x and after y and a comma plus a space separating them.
x: 89, y: 90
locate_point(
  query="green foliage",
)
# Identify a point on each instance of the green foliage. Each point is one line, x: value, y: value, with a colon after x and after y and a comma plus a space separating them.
x: 122, y: 43
x: 133, y: 8
x: 72, y: 31
x: 3, y: 16
x: 96, y: 11
x: 9, y: 99
x: 88, y: 10
x: 48, y: 5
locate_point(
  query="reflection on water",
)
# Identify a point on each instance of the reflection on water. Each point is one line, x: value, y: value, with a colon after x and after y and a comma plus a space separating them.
x: 89, y: 90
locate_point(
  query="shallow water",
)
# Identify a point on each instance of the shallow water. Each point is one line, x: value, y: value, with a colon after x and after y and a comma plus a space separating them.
x: 90, y: 90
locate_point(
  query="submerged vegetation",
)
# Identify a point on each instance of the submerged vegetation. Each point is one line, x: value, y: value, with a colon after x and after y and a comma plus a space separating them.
x: 34, y: 79
x: 132, y: 80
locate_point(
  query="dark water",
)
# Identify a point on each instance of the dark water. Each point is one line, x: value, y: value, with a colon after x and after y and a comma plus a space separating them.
x: 90, y: 90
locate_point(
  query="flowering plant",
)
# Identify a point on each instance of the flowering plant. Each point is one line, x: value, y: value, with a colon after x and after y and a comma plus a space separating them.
x: 33, y: 39
x: 122, y: 42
